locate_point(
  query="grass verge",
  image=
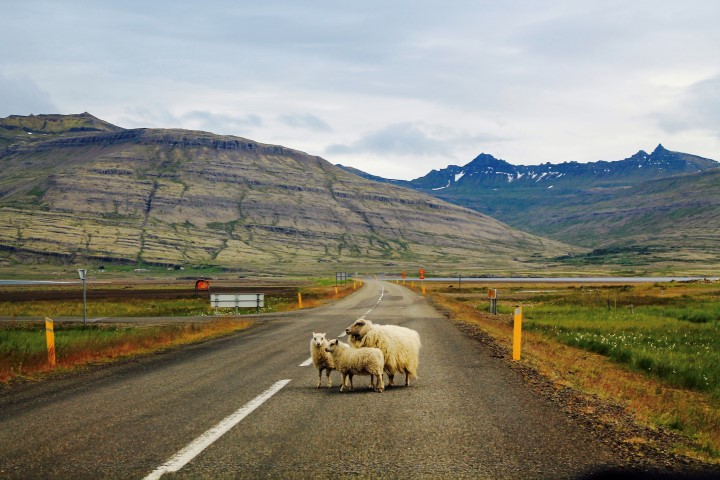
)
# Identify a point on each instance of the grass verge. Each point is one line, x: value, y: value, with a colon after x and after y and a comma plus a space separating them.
x: 23, y: 350
x: 635, y: 347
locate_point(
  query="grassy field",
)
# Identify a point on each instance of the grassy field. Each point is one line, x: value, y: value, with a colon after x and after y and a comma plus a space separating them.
x: 22, y: 343
x: 23, y: 350
x: 313, y: 295
x: 652, y: 348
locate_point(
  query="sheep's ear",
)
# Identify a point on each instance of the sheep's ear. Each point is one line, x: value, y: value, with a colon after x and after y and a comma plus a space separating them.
x: 321, y: 334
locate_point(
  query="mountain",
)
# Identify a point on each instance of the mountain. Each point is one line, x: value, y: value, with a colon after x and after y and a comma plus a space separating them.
x: 20, y: 130
x: 659, y: 208
x: 77, y: 187
x: 485, y: 171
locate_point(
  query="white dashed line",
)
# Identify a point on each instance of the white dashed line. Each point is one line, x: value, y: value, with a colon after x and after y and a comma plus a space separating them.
x: 306, y: 363
x: 180, y: 459
x: 382, y: 293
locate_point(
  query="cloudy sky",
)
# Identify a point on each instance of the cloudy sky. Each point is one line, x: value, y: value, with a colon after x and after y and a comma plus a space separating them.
x: 395, y: 88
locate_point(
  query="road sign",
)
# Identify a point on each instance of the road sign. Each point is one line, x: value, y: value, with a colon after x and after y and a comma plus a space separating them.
x: 422, y: 274
x: 404, y: 274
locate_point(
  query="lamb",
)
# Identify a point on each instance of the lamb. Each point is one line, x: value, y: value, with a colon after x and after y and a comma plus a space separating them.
x: 400, y: 346
x: 321, y: 359
x: 357, y: 361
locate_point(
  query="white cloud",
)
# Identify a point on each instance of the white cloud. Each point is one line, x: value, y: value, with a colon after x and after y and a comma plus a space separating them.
x: 21, y: 96
x: 410, y: 139
x: 305, y: 121
x: 388, y: 87
x: 697, y: 109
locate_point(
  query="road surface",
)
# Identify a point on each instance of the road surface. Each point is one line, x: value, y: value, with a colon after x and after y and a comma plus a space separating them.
x: 467, y: 416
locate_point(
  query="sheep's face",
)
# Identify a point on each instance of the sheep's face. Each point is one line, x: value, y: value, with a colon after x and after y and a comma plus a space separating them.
x: 319, y: 339
x: 331, y: 346
x: 356, y: 327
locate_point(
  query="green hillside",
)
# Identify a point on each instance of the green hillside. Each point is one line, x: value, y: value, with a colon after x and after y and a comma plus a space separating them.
x: 175, y: 197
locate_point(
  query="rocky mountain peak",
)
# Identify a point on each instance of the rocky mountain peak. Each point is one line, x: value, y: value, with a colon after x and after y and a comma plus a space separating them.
x: 659, y: 149
x: 485, y: 161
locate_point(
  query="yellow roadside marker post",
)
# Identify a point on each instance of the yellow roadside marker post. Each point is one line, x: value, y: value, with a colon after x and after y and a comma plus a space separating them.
x: 423, y: 287
x: 299, y: 300
x: 517, y: 332
x: 50, y: 340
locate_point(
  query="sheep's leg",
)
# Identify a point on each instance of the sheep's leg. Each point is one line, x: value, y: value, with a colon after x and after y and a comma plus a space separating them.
x: 350, y: 375
x: 327, y: 373
x: 391, y: 376
x: 319, y: 377
x: 344, y: 382
x: 379, y: 385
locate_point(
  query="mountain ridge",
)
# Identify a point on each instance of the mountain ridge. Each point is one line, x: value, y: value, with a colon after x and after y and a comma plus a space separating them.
x: 170, y: 196
x: 665, y: 202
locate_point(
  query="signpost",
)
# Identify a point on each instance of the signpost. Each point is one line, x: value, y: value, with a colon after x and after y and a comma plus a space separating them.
x: 83, y: 275
x: 492, y: 295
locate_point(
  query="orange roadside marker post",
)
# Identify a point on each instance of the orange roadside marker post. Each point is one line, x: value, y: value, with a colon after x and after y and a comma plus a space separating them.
x: 50, y: 340
x: 299, y: 300
x: 517, y: 333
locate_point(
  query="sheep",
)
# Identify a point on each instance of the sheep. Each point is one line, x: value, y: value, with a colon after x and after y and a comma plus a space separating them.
x: 400, y: 346
x: 357, y: 361
x: 321, y: 359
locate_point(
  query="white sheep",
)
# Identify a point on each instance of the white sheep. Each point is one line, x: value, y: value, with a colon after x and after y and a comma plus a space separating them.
x: 357, y: 361
x: 400, y: 346
x: 321, y: 359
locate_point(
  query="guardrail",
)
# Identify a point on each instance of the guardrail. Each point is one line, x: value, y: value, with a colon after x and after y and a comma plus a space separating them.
x: 237, y: 300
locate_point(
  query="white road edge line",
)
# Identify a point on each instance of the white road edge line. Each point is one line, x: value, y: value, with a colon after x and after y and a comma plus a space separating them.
x: 180, y: 459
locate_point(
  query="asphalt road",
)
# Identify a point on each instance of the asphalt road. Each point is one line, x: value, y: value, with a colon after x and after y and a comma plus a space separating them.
x: 468, y: 415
